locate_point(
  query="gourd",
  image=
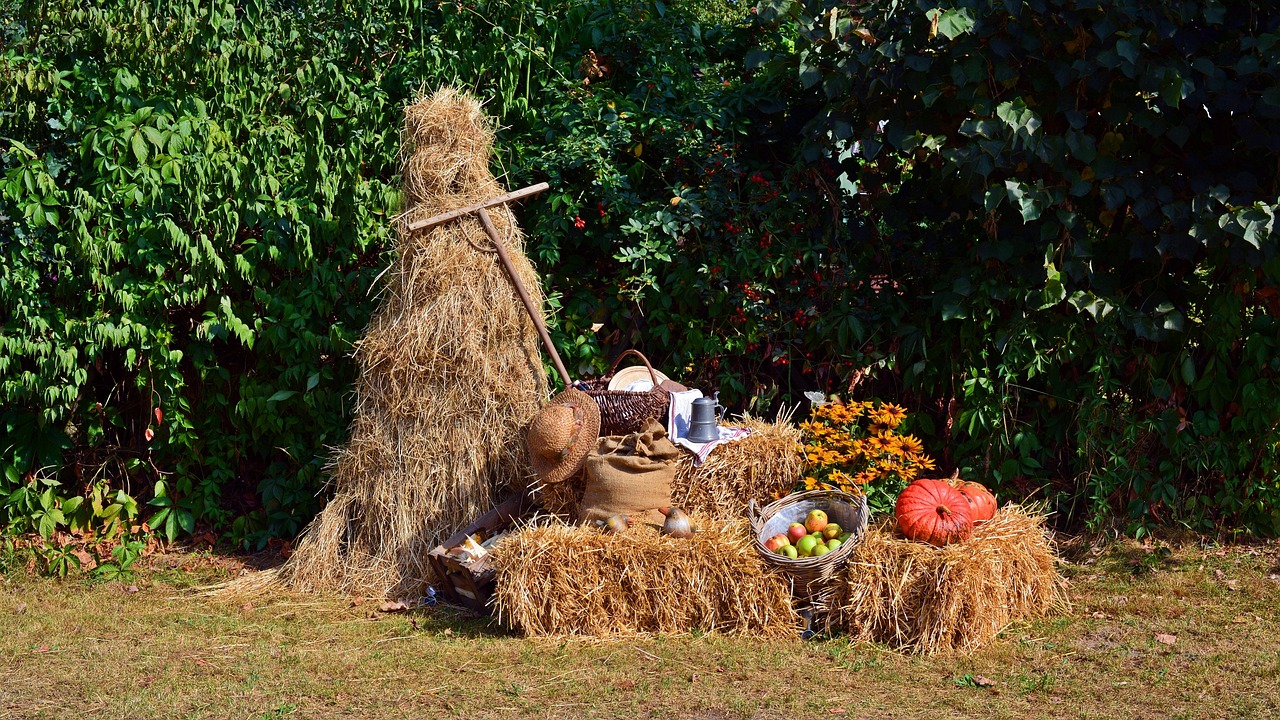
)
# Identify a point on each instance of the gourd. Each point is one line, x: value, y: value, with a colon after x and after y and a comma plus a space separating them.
x: 933, y: 511
x: 982, y: 504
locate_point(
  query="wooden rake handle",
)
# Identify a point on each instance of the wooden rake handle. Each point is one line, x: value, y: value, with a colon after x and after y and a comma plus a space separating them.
x: 481, y: 209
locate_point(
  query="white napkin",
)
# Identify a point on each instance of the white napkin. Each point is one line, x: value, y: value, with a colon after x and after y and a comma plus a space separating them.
x: 702, y: 450
x: 679, y: 412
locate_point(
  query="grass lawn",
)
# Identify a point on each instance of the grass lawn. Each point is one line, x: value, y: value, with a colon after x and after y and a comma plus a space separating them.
x: 1194, y: 634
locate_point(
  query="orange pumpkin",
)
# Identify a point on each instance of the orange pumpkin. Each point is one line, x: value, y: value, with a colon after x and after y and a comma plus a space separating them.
x: 933, y: 511
x: 982, y: 504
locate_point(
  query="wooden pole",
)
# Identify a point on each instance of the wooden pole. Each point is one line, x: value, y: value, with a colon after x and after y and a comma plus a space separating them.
x: 452, y: 214
x: 534, y: 313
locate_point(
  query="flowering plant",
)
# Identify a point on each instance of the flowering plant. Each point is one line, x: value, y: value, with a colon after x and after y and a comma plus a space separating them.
x: 855, y: 447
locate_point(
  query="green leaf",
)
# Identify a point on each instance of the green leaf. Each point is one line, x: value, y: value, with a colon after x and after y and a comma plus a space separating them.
x: 139, y: 146
x: 47, y: 526
x: 1188, y: 370
x: 155, y: 136
x: 280, y: 395
x: 809, y: 75
x: 954, y: 23
x: 312, y: 381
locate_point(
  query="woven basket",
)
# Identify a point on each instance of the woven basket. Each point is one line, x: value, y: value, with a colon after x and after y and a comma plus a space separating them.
x: 623, y: 412
x: 810, y: 577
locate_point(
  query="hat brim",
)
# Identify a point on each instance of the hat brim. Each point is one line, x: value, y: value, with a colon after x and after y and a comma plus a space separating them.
x: 550, y: 472
x: 622, y: 379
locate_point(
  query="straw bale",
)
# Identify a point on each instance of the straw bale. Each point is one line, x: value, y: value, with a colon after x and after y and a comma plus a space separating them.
x: 763, y: 466
x: 925, y: 600
x: 557, y: 580
x: 450, y: 374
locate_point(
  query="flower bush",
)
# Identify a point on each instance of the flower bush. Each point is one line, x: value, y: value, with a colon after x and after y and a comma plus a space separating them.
x: 856, y: 447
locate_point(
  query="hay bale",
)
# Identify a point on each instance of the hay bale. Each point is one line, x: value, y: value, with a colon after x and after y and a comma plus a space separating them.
x: 923, y: 599
x: 561, y: 580
x: 763, y: 466
x: 450, y: 374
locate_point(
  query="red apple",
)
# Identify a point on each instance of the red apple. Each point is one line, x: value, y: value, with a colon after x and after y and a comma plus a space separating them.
x: 796, y: 531
x: 832, y: 530
x: 816, y: 521
x: 775, y: 542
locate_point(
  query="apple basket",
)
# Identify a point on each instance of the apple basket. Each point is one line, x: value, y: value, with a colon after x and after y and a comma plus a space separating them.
x: 809, y: 575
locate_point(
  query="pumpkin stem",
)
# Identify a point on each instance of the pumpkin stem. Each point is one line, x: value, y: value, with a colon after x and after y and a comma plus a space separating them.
x: 944, y: 510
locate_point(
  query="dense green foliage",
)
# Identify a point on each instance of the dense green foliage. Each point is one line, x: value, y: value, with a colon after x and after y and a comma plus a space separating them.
x: 1076, y: 202
x: 1048, y: 226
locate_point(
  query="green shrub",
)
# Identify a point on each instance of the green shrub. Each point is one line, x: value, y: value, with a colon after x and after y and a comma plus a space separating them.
x: 1076, y: 204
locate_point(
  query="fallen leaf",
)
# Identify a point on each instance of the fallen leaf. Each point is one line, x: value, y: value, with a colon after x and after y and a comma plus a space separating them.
x: 391, y: 606
x: 131, y: 589
x: 203, y: 663
x: 247, y: 606
x: 1233, y: 585
x: 19, y: 608
x: 981, y: 681
x: 1218, y: 574
x: 44, y: 648
x: 693, y: 678
x: 626, y: 684
x: 1100, y: 616
x: 448, y: 632
x: 836, y: 711
x: 1166, y: 639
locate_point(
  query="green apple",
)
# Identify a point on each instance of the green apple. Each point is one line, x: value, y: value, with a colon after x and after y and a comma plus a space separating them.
x: 834, y: 543
x: 805, y: 545
x: 820, y: 550
x: 789, y: 551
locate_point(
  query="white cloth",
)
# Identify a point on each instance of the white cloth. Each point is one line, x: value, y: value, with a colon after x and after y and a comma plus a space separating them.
x: 679, y: 412
x: 702, y: 450
x: 678, y: 427
x: 640, y: 386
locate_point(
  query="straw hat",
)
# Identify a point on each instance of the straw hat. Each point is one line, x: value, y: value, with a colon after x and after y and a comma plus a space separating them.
x: 561, y: 435
x: 623, y: 378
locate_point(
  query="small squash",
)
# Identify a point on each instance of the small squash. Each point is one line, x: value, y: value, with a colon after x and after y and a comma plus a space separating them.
x: 933, y: 511
x: 982, y: 504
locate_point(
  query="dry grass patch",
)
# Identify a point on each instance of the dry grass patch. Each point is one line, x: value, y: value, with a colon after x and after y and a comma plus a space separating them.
x: 72, y: 650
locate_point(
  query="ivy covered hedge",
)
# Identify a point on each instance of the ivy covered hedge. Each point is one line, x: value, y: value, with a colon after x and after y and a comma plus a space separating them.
x: 1077, y: 204
x: 1047, y: 226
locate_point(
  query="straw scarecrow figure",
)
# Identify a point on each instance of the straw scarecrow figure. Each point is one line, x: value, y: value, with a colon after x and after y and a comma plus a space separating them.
x: 450, y: 374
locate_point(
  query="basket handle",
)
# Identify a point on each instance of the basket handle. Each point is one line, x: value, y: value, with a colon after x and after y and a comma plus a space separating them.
x: 613, y: 370
x: 753, y: 516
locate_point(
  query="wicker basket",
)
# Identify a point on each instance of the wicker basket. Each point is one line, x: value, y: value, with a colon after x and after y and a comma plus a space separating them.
x: 623, y: 412
x: 810, y: 577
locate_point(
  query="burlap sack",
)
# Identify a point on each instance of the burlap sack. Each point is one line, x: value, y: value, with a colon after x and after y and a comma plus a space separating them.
x: 630, y: 475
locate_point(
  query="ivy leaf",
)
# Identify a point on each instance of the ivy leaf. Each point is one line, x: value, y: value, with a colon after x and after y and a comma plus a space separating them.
x: 951, y: 24
x: 139, y: 146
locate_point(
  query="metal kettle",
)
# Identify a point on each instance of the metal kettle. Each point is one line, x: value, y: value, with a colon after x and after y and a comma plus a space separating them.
x: 703, y: 419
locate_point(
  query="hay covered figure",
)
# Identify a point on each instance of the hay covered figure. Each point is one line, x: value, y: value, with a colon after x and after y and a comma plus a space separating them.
x: 450, y: 374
